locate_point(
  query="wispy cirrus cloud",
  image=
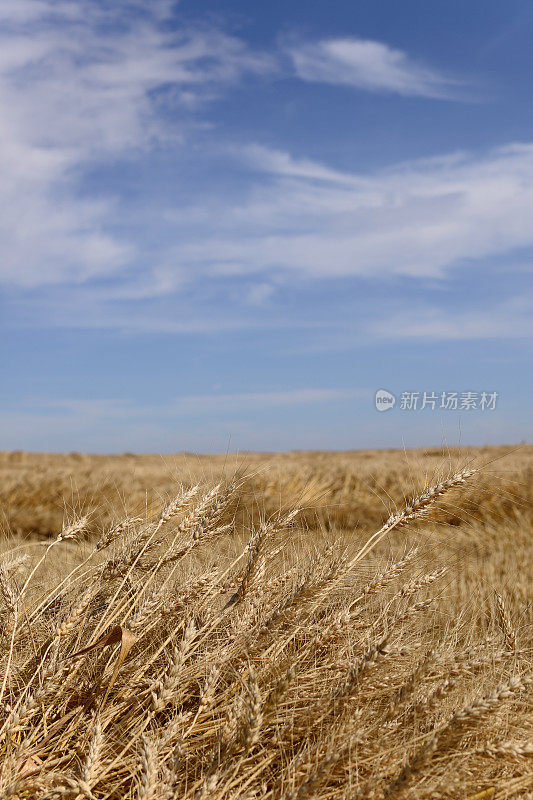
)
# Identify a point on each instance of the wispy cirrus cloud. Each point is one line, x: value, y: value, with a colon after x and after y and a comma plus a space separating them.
x: 418, y: 219
x: 167, y: 425
x: 510, y: 319
x: 233, y: 259
x: 257, y: 400
x: 370, y: 65
x: 90, y: 85
x: 195, y: 405
x: 198, y: 406
x: 87, y: 83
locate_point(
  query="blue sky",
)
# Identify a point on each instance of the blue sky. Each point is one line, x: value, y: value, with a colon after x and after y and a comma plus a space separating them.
x: 229, y: 224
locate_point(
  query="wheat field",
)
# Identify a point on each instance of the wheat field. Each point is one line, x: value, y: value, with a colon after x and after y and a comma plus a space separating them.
x: 300, y: 625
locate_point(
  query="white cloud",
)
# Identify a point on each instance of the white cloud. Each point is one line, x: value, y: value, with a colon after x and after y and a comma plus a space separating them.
x: 280, y: 163
x: 419, y: 219
x: 82, y: 82
x: 110, y: 409
x: 208, y: 423
x: 256, y: 400
x: 369, y: 65
x: 259, y: 294
x: 511, y: 319
x: 87, y: 83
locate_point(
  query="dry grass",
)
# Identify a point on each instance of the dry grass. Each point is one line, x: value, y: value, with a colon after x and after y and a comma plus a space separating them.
x: 354, y: 625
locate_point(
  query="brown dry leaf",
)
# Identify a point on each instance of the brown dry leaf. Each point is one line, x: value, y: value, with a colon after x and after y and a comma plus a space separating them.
x: 31, y: 764
x: 115, y: 635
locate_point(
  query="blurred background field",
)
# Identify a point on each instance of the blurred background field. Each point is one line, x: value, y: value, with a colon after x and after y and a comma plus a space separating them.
x: 483, y: 533
x: 339, y: 490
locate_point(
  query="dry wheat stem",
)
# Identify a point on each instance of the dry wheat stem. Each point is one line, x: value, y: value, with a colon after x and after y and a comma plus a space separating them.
x: 468, y: 715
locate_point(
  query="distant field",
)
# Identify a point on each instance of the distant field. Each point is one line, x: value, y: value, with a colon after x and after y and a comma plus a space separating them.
x: 348, y: 490
x: 295, y: 625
